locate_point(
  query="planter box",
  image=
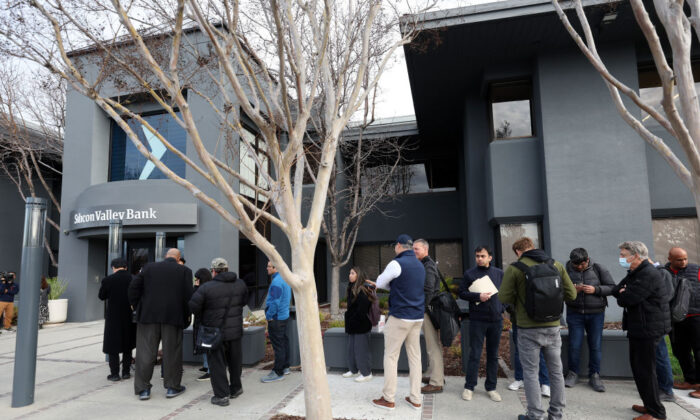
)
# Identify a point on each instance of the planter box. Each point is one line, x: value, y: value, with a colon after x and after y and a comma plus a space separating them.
x: 335, y: 349
x: 614, y: 361
x: 253, y: 346
x: 58, y: 311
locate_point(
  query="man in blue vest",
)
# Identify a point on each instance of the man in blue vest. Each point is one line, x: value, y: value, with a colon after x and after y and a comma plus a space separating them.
x: 404, y: 277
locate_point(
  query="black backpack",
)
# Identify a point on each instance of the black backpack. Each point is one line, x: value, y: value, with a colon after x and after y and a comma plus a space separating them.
x: 544, y: 292
x: 680, y: 302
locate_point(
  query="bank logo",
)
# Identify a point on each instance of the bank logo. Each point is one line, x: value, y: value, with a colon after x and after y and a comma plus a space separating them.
x: 157, y: 149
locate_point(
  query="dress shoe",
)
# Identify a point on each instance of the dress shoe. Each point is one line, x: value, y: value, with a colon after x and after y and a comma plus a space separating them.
x: 412, y: 404
x: 113, y: 378
x: 223, y: 401
x: 382, y: 403
x: 639, y: 409
x: 646, y: 417
x: 126, y: 375
x: 431, y: 389
x: 174, y: 392
x: 694, y: 394
x: 685, y: 386
x: 145, y: 395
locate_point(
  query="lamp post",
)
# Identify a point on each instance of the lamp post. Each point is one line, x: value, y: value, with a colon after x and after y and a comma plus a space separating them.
x: 28, y: 319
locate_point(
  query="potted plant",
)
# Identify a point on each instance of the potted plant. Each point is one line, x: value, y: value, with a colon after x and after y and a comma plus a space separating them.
x: 58, y: 308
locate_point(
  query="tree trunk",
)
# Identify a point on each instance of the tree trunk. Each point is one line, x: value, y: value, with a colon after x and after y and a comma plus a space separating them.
x: 335, y: 290
x: 313, y: 363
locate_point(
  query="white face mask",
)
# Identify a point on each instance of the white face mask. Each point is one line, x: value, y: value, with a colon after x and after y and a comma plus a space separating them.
x: 624, y: 263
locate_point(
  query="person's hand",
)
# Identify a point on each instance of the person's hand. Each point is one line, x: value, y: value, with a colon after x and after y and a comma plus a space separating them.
x: 371, y: 282
x: 588, y: 289
x: 622, y: 290
x: 485, y: 296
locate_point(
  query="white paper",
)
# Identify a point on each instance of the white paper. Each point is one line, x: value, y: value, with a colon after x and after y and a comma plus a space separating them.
x: 483, y: 285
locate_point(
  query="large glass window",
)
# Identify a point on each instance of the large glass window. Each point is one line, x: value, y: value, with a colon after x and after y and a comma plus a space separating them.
x: 372, y: 259
x: 250, y: 166
x: 676, y: 231
x: 509, y: 233
x: 650, y: 92
x: 406, y: 179
x: 510, y: 104
x: 127, y: 163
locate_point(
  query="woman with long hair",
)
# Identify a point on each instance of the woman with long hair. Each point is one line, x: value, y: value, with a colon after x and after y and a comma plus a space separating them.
x: 358, y: 326
x: 44, y: 302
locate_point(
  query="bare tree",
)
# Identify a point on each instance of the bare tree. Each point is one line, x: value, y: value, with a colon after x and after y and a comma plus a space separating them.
x: 31, y: 140
x: 677, y: 80
x: 268, y: 60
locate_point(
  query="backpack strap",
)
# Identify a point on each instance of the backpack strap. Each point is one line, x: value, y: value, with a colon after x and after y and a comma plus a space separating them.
x: 520, y: 266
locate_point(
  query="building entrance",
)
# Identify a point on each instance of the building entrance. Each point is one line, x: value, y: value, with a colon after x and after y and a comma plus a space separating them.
x: 141, y: 251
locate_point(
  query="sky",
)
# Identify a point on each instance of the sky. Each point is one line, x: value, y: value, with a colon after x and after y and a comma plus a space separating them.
x: 395, y: 98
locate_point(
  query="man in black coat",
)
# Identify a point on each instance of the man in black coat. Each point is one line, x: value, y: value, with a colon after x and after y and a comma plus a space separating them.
x: 120, y: 331
x: 219, y: 303
x: 647, y: 318
x: 160, y: 293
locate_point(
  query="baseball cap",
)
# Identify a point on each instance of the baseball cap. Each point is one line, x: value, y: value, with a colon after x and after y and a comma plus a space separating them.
x: 404, y: 239
x: 219, y: 263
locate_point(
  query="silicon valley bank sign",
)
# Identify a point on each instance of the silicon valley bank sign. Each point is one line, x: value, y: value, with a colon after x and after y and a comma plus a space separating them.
x: 147, y: 214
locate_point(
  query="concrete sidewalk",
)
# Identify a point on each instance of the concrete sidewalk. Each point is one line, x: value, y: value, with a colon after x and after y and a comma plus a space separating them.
x: 71, y: 383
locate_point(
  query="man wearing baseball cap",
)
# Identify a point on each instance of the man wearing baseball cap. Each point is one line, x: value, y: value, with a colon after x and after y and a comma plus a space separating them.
x: 404, y: 277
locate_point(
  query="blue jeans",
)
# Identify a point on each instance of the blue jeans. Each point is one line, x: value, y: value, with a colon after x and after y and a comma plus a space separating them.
x: 592, y: 324
x: 664, y: 374
x: 478, y: 331
x: 543, y: 374
x: 277, y: 333
x: 205, y: 363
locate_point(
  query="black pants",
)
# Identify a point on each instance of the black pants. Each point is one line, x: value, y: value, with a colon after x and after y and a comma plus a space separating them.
x: 148, y: 336
x: 643, y: 362
x: 114, y: 363
x: 685, y: 342
x: 228, y: 354
x: 277, y: 331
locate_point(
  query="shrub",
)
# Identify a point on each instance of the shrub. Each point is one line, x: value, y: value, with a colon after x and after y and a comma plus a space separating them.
x: 58, y: 287
x: 384, y: 302
x: 456, y: 350
x: 337, y: 324
x: 322, y: 316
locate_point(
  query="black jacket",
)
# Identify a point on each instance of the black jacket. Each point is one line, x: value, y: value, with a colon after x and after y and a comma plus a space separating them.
x: 594, y: 303
x: 690, y: 273
x: 492, y: 309
x: 357, y: 315
x: 432, y: 280
x: 160, y: 292
x: 120, y: 331
x: 211, y: 299
x: 646, y: 301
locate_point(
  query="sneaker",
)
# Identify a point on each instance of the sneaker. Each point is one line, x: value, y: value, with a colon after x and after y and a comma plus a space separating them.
x: 595, y: 383
x: 495, y: 396
x: 349, y: 374
x: 126, y: 375
x: 467, y: 394
x: 113, y: 378
x: 145, y: 395
x: 223, y: 401
x: 286, y: 371
x: 271, y: 377
x: 431, y: 389
x: 204, y: 377
x: 667, y: 397
x: 571, y: 379
x: 236, y: 394
x: 382, y: 403
x: 174, y: 392
x: 412, y: 404
x: 203, y: 369
x: 363, y: 378
x: 516, y: 385
x: 546, y: 392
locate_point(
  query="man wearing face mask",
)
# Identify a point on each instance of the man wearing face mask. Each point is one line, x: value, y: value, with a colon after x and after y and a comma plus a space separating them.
x: 644, y: 295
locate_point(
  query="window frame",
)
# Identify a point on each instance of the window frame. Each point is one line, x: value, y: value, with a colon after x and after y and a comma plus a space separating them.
x: 505, y: 82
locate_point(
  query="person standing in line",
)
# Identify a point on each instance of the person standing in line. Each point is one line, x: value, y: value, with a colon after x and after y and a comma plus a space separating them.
x: 120, y: 331
x: 404, y: 277
x: 219, y: 303
x: 161, y: 293
x: 537, y: 336
x: 279, y: 296
x: 593, y: 284
x: 44, y: 302
x: 8, y: 290
x: 645, y: 297
x: 200, y: 277
x: 358, y: 327
x: 485, y: 323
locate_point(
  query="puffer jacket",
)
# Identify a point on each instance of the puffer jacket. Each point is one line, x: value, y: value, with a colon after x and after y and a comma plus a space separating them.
x: 209, y: 303
x: 593, y: 303
x: 646, y: 301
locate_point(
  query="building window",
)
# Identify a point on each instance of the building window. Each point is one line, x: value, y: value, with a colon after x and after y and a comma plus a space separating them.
x: 413, y: 178
x: 650, y: 92
x: 249, y: 168
x: 507, y: 234
x: 676, y: 231
x: 127, y: 163
x: 372, y: 259
x: 510, y: 105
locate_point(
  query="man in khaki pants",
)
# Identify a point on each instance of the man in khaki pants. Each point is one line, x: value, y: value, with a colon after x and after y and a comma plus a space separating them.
x: 435, y: 376
x: 404, y: 277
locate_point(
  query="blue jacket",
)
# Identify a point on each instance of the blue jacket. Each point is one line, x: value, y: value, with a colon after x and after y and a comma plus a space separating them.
x: 492, y: 309
x: 8, y: 292
x: 406, y: 297
x: 278, y: 298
